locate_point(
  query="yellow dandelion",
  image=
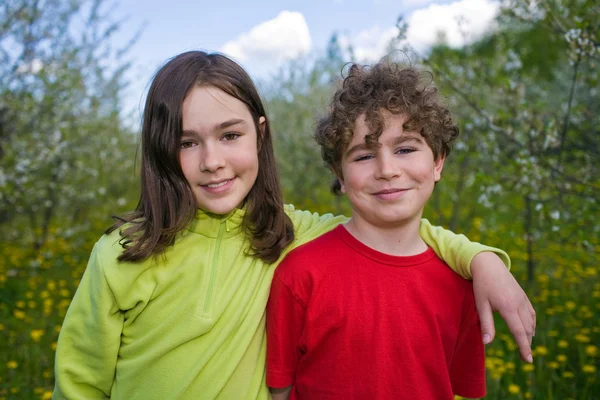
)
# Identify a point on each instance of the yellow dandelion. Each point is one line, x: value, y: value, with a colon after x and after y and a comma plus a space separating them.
x: 15, y: 390
x: 12, y: 364
x: 570, y: 305
x: 589, y: 369
x: 568, y: 374
x: 1, y: 327
x: 582, y: 338
x: 541, y: 351
x: 552, y: 333
x: 36, y: 334
x: 53, y: 346
x: 528, y: 395
x: 527, y: 367
x: 553, y: 365
x: 514, y: 389
x: 563, y: 344
x: 561, y: 358
x: 20, y: 304
x: 590, y: 350
x: 19, y: 314
x: 31, y: 304
x: 47, y: 395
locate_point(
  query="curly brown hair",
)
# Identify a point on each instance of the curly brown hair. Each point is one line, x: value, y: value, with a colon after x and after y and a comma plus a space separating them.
x: 387, y: 86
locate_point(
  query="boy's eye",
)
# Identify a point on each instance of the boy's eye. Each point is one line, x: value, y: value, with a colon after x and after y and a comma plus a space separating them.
x: 231, y: 136
x: 405, y: 150
x: 363, y: 157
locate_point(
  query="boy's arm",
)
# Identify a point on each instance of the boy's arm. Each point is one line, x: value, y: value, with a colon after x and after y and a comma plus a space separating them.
x: 467, y: 368
x: 494, y: 287
x: 89, y: 340
x: 281, y: 394
x: 285, y: 321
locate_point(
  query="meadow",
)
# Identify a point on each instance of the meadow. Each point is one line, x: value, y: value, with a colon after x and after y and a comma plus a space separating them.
x: 36, y: 289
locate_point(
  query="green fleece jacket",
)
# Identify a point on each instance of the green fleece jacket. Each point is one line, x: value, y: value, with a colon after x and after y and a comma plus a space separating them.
x: 189, y: 324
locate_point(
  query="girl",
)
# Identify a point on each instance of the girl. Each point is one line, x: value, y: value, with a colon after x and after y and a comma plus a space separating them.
x: 172, y: 303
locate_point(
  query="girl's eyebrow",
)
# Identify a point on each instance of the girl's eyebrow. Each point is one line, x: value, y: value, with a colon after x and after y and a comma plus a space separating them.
x: 217, y: 127
x: 227, y: 124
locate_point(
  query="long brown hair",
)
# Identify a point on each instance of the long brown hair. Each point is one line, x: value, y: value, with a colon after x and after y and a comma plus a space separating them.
x: 167, y: 204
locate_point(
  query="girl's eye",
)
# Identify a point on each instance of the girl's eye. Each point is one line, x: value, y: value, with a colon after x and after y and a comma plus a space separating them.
x: 187, y: 145
x: 363, y: 157
x: 405, y: 150
x: 231, y: 136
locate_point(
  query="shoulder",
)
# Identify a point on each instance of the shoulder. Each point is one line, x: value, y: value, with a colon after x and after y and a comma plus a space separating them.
x: 308, y: 226
x: 310, y: 256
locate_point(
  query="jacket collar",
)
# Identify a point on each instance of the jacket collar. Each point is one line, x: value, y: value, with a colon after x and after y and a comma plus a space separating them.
x: 208, y: 224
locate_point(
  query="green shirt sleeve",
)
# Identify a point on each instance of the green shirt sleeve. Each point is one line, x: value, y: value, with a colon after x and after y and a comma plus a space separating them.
x: 456, y: 250
x: 89, y: 340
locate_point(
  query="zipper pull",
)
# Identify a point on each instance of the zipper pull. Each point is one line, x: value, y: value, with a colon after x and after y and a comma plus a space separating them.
x: 226, y: 225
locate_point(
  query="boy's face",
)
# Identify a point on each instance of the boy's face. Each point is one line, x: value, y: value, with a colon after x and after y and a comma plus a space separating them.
x: 388, y: 184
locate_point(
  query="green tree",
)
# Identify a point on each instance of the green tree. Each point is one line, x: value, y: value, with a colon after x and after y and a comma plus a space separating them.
x: 64, y: 152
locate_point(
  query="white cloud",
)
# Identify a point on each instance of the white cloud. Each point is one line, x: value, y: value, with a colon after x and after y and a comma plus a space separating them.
x: 461, y: 22
x: 416, y: 3
x: 283, y: 38
x: 370, y: 44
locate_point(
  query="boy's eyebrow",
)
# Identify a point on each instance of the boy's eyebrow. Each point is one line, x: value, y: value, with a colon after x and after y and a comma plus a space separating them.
x: 359, y: 147
x: 409, y: 137
x: 217, y: 127
x: 398, y: 140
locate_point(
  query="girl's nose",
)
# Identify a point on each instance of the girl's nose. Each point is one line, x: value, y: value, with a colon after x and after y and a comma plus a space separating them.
x: 212, y: 160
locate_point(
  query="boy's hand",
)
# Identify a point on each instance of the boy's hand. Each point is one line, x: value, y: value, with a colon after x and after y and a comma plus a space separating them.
x: 496, y: 289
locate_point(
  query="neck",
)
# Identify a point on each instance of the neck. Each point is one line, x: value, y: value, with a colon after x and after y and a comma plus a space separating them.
x: 397, y: 240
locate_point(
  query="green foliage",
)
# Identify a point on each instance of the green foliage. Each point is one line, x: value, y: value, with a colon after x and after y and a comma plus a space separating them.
x: 62, y: 141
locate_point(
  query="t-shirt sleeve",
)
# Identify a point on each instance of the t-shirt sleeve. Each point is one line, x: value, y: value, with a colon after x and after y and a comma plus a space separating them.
x: 456, y: 250
x: 467, y: 370
x: 90, y: 337
x: 285, y: 322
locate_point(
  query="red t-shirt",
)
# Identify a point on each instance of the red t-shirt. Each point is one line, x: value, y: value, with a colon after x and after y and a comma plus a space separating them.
x: 345, y: 321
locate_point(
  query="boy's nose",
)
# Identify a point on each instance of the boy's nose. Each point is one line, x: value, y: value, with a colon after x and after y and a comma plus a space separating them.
x: 385, y: 168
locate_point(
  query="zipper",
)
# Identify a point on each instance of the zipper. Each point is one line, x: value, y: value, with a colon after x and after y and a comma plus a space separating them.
x: 213, y: 271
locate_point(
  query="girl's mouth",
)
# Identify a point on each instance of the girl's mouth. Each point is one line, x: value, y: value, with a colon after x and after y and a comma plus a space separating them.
x: 218, y: 187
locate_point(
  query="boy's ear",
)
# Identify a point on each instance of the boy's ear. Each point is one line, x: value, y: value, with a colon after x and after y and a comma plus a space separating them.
x: 438, y: 166
x: 340, y: 181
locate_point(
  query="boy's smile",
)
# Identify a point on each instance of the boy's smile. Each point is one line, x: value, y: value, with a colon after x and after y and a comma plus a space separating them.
x: 388, y: 183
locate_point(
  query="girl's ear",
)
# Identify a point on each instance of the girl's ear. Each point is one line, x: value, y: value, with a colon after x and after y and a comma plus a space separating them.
x: 262, y: 122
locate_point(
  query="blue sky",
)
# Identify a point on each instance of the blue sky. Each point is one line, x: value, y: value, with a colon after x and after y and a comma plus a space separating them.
x: 263, y: 34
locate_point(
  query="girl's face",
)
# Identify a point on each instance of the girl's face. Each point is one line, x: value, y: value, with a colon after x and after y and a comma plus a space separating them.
x: 218, y: 154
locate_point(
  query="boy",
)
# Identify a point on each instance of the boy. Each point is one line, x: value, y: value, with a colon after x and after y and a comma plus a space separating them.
x: 368, y: 311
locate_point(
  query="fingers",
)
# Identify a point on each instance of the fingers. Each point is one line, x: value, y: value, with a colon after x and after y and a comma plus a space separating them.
x: 516, y: 327
x: 532, y: 313
x: 486, y: 318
